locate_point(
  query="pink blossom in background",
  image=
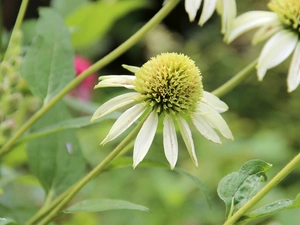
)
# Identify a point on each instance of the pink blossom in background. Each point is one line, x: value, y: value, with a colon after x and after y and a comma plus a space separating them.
x: 84, y: 90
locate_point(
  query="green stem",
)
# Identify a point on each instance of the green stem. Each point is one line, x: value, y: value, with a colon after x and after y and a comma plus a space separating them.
x: 95, y: 67
x: 16, y: 26
x: 93, y: 173
x: 264, y: 191
x: 235, y: 80
x: 46, y: 208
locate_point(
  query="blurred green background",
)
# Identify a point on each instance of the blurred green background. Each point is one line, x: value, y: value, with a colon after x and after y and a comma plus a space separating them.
x: 263, y: 117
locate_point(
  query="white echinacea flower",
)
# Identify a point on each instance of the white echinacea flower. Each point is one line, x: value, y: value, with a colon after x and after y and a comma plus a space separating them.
x: 227, y: 9
x: 169, y: 85
x: 282, y: 26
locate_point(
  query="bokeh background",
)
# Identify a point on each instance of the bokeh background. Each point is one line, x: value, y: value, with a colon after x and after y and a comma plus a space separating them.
x: 263, y: 117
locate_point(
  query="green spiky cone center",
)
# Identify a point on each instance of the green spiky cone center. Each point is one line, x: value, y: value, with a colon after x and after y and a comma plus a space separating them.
x: 288, y: 12
x: 170, y: 83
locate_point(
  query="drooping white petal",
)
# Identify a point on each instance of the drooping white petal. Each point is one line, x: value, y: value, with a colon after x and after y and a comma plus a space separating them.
x: 132, y: 69
x: 294, y: 71
x: 214, y: 102
x: 170, y: 141
x: 116, y: 81
x: 266, y: 32
x: 228, y: 14
x: 114, y: 104
x: 124, y: 122
x: 144, y: 138
x: 207, y: 11
x: 215, y: 119
x: 186, y: 134
x: 248, y: 21
x: 205, y: 128
x: 275, y: 51
x: 191, y: 7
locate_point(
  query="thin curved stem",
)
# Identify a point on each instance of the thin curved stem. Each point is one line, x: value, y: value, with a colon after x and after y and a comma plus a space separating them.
x: 235, y: 80
x: 17, y: 25
x: 93, y: 173
x: 95, y: 67
x: 264, y: 191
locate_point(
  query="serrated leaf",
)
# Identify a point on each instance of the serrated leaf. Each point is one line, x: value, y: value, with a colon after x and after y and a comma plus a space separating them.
x: 55, y: 159
x: 99, y: 205
x: 275, y: 207
x: 48, y: 65
x: 237, y: 188
x: 90, y: 22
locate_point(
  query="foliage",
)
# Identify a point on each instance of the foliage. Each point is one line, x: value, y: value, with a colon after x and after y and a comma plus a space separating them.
x: 62, y: 147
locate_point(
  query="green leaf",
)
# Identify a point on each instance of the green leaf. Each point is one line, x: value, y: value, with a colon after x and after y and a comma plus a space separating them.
x: 94, y: 19
x: 55, y: 159
x: 275, y: 207
x: 237, y: 188
x: 4, y: 221
x: 65, y: 7
x: 48, y: 65
x: 65, y: 125
x: 199, y: 184
x: 99, y: 205
x: 127, y: 162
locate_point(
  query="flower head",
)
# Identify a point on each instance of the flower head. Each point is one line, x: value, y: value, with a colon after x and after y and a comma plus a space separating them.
x: 227, y: 9
x: 169, y: 85
x: 282, y: 27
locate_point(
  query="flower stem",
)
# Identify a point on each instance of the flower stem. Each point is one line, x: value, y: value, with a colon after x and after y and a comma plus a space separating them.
x: 265, y: 190
x: 16, y: 26
x: 235, y: 80
x: 77, y: 187
x: 95, y: 67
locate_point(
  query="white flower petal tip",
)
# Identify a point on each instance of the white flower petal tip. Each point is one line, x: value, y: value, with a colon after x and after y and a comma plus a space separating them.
x: 170, y: 141
x: 124, y: 122
x: 207, y: 119
x: 191, y: 7
x: 209, y: 7
x: 186, y: 134
x: 116, y: 81
x: 145, y: 138
x: 132, y: 69
x: 114, y: 104
x: 293, y: 79
x: 215, y: 102
x: 276, y: 50
x: 249, y: 21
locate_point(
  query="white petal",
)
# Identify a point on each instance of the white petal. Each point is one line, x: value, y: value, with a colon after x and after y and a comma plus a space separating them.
x: 294, y: 71
x: 186, y: 134
x: 116, y: 81
x: 144, y: 138
x: 275, y: 51
x: 191, y: 7
x: 228, y: 14
x: 209, y: 7
x: 124, y: 122
x: 170, y: 141
x: 205, y: 128
x: 266, y: 32
x: 215, y: 119
x: 248, y: 21
x: 132, y: 69
x: 215, y: 102
x: 114, y: 104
